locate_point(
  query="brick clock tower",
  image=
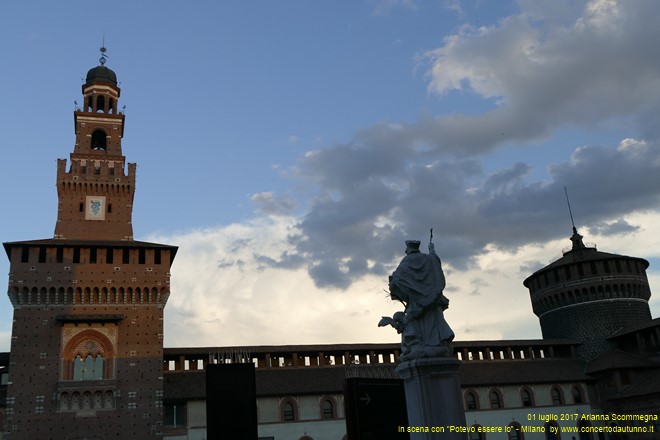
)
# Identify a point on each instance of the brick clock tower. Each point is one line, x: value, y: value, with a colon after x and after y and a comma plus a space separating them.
x: 87, y: 336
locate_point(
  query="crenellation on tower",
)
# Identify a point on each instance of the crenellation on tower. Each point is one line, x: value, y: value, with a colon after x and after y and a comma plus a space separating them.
x: 588, y: 296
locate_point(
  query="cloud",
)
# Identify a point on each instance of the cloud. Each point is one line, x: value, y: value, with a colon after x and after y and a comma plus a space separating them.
x: 529, y: 267
x: 267, y: 203
x: 365, y: 214
x: 454, y: 6
x: 541, y: 75
x: 478, y: 284
x: 249, y: 304
x: 394, y: 181
x: 579, y: 68
x: 216, y: 305
x: 257, y: 304
x: 618, y: 227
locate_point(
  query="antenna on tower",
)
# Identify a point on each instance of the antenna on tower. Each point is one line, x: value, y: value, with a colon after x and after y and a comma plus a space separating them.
x: 576, y: 238
x: 570, y: 212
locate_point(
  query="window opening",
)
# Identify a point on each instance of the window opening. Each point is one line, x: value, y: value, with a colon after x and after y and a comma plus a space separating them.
x: 175, y: 415
x: 99, y: 140
x: 495, y: 400
x: 515, y: 433
x: 100, y: 104
x: 577, y: 395
x: 90, y: 368
x: 327, y: 409
x: 555, y: 395
x: 471, y: 401
x: 288, y: 412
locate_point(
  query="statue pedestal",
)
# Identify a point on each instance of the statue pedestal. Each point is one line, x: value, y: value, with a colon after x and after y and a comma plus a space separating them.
x: 433, y: 397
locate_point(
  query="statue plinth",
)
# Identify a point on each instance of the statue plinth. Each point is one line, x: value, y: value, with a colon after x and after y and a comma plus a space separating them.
x: 433, y: 397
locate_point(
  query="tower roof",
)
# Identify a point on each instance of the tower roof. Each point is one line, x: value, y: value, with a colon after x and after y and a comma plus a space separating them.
x: 581, y: 253
x: 101, y: 74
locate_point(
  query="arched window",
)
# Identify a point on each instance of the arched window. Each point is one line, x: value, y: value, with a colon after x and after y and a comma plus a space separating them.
x: 89, y: 368
x: 584, y: 435
x: 578, y: 395
x: 495, y: 398
x: 526, y: 397
x: 556, y: 396
x: 100, y: 104
x: 99, y: 141
x: 288, y: 410
x: 611, y: 435
x: 88, y: 356
x: 475, y: 435
x: 515, y: 433
x: 328, y: 408
x: 471, y: 400
x: 552, y: 434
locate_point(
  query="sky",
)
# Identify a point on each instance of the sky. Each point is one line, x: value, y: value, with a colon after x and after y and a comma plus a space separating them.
x: 289, y: 148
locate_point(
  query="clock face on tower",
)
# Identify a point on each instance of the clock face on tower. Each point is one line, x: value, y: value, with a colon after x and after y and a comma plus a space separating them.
x: 95, y: 208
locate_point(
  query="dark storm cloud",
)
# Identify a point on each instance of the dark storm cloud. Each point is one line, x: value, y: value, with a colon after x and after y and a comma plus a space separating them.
x: 470, y: 209
x: 395, y: 181
x: 618, y: 227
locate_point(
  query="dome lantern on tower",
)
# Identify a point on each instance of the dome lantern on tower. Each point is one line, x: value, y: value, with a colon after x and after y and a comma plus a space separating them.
x: 101, y: 73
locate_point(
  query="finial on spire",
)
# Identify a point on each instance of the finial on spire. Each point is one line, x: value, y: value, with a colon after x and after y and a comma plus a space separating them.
x: 103, y: 50
x: 104, y: 57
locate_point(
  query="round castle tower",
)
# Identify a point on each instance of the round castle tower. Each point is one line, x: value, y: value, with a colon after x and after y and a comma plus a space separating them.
x: 588, y: 296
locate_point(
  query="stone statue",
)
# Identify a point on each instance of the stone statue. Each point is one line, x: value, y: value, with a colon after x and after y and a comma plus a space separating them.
x: 418, y: 283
